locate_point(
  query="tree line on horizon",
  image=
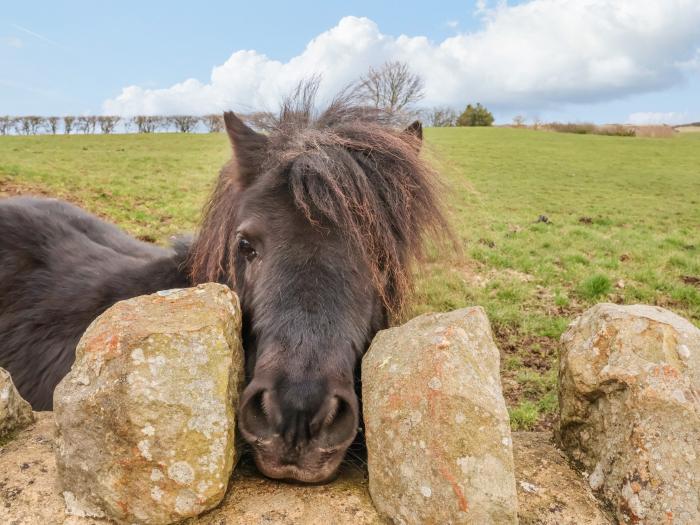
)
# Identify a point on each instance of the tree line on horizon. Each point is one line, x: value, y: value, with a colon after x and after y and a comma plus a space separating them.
x: 391, y: 88
x: 106, y: 124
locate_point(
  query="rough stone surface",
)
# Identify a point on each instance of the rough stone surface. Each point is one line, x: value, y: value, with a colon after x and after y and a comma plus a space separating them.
x: 630, y: 410
x: 15, y: 412
x: 437, y: 428
x: 550, y: 491
x: 145, y: 418
x: 29, y: 494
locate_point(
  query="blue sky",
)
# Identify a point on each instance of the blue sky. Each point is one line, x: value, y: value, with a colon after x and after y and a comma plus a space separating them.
x: 76, y: 57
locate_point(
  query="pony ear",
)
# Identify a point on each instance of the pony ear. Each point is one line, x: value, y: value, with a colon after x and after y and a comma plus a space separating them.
x: 248, y: 148
x: 415, y: 130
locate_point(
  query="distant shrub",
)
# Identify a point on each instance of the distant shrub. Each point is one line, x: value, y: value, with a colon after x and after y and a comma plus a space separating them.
x: 588, y: 128
x: 475, y: 116
x: 654, y: 131
x: 580, y: 128
x: 616, y: 130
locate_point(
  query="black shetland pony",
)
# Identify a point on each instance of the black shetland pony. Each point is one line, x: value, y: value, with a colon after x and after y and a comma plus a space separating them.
x: 314, y: 224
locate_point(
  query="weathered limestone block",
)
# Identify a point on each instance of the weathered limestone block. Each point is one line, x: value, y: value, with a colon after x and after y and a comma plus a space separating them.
x: 629, y: 395
x: 145, y: 418
x: 15, y: 412
x: 437, y: 428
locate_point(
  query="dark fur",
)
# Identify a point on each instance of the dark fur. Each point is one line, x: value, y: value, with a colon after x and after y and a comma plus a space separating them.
x: 336, y: 206
x: 60, y: 267
x: 315, y: 224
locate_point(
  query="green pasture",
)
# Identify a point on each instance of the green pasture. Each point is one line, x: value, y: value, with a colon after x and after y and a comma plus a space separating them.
x: 548, y: 224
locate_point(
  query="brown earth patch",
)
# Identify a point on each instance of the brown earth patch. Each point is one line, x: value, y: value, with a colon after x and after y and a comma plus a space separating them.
x: 536, y: 353
x: 691, y: 280
x: 10, y: 188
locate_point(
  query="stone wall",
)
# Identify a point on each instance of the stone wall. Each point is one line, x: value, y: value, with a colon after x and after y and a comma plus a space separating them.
x: 144, y: 427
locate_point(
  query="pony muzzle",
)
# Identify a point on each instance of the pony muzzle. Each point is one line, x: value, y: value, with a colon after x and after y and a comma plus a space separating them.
x: 298, y: 432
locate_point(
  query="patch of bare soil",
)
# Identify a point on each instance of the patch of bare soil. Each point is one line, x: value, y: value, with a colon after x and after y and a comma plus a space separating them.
x: 691, y: 280
x: 9, y: 188
x: 536, y: 353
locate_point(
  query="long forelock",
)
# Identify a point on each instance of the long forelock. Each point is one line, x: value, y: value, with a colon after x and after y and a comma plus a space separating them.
x: 348, y: 168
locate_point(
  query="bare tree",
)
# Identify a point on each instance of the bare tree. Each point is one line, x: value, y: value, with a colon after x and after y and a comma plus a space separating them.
x: 68, y: 122
x: 441, y: 117
x: 392, y: 88
x: 52, y: 124
x: 22, y: 126
x: 108, y: 123
x: 36, y: 123
x: 81, y: 124
x: 157, y: 123
x: 146, y: 123
x: 86, y: 124
x: 518, y: 121
x: 6, y: 124
x: 214, y: 122
x: 29, y: 125
x: 184, y: 123
x: 92, y: 123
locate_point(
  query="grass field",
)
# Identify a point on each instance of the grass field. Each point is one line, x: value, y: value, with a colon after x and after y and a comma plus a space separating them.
x: 623, y: 224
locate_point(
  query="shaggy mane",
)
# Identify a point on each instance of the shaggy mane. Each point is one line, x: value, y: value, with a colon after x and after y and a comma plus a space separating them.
x: 349, y: 167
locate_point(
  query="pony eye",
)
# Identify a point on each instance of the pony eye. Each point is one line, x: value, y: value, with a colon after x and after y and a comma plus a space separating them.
x: 246, y: 249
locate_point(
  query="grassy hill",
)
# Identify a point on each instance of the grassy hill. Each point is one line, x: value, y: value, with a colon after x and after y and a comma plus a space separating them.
x: 622, y: 223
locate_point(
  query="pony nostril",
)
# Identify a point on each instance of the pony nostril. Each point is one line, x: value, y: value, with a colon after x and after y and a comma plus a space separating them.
x: 259, y: 416
x: 336, y: 422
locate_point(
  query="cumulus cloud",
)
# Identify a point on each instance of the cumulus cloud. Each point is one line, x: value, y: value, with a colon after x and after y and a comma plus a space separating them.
x: 651, y: 118
x: 528, y: 56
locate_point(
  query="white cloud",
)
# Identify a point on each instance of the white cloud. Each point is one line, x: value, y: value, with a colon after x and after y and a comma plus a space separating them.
x: 525, y: 57
x: 452, y: 24
x: 651, y: 118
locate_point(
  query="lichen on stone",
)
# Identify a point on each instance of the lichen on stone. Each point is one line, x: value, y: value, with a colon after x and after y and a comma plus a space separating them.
x: 159, y: 380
